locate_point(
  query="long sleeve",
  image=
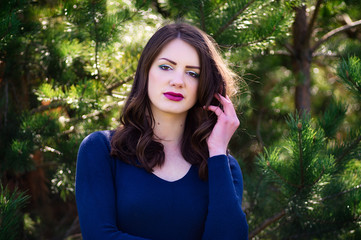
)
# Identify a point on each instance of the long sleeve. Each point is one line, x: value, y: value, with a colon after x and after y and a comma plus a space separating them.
x: 95, y: 190
x: 225, y: 219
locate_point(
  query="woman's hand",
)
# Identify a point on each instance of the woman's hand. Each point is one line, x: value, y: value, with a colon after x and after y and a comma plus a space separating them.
x: 226, y: 125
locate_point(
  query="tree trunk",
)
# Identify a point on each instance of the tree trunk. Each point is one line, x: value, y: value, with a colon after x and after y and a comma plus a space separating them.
x: 301, y: 61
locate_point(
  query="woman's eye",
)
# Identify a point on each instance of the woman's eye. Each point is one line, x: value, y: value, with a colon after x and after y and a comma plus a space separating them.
x: 165, y: 67
x: 193, y: 74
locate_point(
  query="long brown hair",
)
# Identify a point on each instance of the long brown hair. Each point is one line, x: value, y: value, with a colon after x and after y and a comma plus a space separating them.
x: 133, y: 141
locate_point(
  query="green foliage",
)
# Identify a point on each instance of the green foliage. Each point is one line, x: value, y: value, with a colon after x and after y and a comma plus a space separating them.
x: 11, y: 218
x: 349, y: 72
x: 347, y: 149
x: 65, y: 69
x: 310, y: 188
x: 250, y: 24
x: 90, y: 20
x: 332, y: 118
x: 10, y: 24
x: 302, y: 163
x: 327, y: 209
x: 35, y: 132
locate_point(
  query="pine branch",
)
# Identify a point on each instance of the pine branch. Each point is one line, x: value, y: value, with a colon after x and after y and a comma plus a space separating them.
x: 313, y: 19
x: 96, y: 113
x: 249, y: 43
x: 290, y: 49
x: 351, y: 80
x: 134, y: 13
x: 349, y: 149
x: 340, y: 193
x: 9, y: 23
x: 332, y: 33
x: 318, y: 54
x: 320, y: 176
x: 280, y: 176
x: 258, y: 128
x: 118, y: 84
x: 225, y: 26
x: 282, y: 53
x: 60, y: 103
x: 66, y: 132
x: 165, y: 14
x: 325, y: 229
x: 299, y: 126
x: 349, y: 71
x: 11, y: 204
x: 267, y: 222
x: 52, y: 105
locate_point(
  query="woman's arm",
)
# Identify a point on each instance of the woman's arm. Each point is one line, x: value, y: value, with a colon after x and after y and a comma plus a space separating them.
x: 95, y: 190
x: 225, y: 219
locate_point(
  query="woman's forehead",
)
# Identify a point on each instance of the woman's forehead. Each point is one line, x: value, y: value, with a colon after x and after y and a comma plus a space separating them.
x: 181, y: 52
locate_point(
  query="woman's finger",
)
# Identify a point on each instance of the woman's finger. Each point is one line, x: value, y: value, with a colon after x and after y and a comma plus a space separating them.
x: 217, y: 110
x: 227, y: 105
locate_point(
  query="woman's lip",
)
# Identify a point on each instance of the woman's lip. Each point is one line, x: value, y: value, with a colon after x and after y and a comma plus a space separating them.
x: 173, y: 96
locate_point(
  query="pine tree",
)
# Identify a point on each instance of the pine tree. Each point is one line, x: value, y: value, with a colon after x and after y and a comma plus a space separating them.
x: 266, y: 41
x: 66, y: 68
x: 11, y: 221
x: 313, y: 176
x: 336, y: 214
x: 316, y: 170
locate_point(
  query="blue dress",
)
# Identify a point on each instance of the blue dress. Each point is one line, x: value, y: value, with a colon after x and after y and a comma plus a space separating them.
x: 116, y: 200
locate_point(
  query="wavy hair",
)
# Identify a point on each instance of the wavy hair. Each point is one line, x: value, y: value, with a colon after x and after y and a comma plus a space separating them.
x: 133, y: 141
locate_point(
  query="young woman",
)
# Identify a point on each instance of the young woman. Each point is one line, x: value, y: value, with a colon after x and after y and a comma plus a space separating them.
x: 165, y: 173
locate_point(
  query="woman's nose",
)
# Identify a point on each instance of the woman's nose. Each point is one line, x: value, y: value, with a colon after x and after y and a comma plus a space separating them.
x: 177, y: 79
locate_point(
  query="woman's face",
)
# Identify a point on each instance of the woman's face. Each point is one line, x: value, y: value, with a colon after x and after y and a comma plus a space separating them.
x: 173, y: 79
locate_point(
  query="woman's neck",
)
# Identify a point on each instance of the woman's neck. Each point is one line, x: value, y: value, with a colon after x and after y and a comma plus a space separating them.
x: 168, y: 129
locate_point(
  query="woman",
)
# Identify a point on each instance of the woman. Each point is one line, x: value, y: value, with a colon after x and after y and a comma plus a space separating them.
x: 165, y: 172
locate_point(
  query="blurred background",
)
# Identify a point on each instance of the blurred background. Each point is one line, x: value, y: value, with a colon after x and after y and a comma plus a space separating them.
x: 66, y: 68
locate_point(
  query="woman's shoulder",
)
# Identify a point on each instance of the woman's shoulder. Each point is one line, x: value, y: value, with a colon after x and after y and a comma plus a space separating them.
x: 95, y: 149
x: 97, y: 139
x: 99, y: 136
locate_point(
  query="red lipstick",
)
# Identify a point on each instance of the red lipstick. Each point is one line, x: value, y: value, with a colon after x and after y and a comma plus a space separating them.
x: 173, y: 96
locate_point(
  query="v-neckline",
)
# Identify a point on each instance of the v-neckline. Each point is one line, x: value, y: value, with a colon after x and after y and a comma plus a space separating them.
x: 175, y: 181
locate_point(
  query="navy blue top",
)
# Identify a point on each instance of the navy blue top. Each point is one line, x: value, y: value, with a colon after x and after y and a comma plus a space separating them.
x: 116, y: 200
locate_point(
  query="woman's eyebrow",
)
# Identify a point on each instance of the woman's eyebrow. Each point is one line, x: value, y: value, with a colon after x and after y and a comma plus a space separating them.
x: 174, y: 63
